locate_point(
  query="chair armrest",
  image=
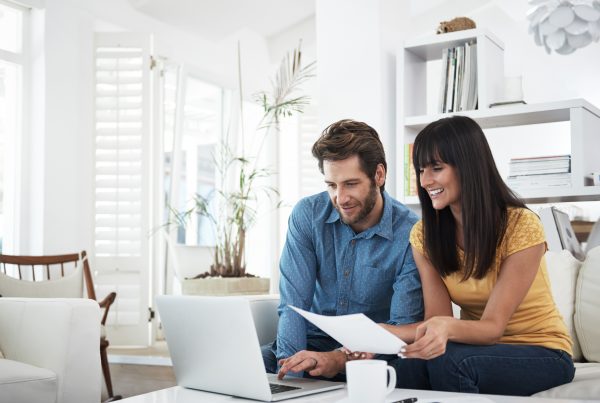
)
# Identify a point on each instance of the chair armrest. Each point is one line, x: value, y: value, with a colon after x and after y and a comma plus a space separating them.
x: 59, y: 334
x: 105, y: 304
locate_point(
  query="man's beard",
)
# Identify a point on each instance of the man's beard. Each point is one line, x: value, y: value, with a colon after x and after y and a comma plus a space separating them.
x: 368, y: 205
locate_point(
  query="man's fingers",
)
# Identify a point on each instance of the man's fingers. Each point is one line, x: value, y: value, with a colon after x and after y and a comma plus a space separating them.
x: 304, y: 365
x: 297, y: 363
x: 359, y: 355
x: 316, y: 372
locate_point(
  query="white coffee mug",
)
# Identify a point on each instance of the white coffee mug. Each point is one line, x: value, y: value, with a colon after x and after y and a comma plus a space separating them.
x: 368, y: 380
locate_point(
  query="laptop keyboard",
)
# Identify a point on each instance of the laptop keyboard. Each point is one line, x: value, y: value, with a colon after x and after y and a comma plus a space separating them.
x: 277, y: 388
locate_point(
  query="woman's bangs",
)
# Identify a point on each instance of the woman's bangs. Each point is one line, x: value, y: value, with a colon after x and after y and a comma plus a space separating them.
x: 425, y: 152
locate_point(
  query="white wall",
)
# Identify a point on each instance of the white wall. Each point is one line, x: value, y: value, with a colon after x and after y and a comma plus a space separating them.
x: 357, y: 41
x: 353, y: 70
x: 68, y: 130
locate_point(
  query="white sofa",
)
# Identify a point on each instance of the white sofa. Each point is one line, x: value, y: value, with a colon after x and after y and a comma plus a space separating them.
x: 51, y: 350
x: 576, y: 290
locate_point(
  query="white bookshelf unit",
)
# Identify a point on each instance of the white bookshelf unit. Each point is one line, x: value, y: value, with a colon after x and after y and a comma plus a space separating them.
x: 583, y: 118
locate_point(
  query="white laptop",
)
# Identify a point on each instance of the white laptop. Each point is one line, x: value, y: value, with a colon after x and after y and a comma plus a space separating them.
x: 214, y: 347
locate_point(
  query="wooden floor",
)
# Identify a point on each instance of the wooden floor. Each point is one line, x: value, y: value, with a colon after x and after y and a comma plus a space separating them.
x: 142, y: 377
x: 134, y: 379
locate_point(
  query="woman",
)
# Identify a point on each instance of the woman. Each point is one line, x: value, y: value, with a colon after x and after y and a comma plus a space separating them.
x: 478, y: 246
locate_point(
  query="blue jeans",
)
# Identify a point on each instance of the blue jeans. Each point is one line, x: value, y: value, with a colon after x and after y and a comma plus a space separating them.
x: 505, y: 369
x: 313, y: 343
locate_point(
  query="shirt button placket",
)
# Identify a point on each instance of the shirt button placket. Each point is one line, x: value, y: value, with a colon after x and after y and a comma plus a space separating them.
x: 350, y: 257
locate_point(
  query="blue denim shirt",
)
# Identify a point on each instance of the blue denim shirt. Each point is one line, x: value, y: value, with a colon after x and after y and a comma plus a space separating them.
x: 329, y: 269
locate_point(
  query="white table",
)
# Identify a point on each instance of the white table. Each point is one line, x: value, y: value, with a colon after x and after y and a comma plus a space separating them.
x: 178, y: 394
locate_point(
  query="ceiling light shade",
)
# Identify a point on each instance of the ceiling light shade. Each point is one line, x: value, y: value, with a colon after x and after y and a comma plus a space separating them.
x: 564, y: 26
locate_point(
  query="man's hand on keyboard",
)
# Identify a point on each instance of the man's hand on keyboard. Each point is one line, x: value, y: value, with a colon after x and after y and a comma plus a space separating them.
x: 327, y: 364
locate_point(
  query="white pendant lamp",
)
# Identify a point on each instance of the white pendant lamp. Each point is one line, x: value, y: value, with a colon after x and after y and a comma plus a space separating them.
x: 564, y: 26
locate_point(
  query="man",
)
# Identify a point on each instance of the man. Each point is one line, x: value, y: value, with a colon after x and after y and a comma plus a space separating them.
x: 347, y: 251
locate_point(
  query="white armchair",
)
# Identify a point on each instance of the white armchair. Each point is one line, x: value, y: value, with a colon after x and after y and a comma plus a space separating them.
x: 51, y: 350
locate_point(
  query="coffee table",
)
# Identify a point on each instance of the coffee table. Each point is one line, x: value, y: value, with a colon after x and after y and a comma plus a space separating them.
x: 178, y: 394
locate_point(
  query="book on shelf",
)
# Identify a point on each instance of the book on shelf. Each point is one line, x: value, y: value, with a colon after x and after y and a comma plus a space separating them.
x: 538, y: 171
x: 406, y: 169
x: 458, y: 77
x: 472, y: 99
x: 546, y: 163
x: 458, y: 87
x: 540, y: 166
x: 525, y: 182
x: 466, y: 79
x: 444, y: 86
x: 410, y: 180
x: 543, y: 158
x: 450, y: 79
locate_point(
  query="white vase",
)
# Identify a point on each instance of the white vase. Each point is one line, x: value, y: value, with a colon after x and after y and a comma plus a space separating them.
x: 189, y: 261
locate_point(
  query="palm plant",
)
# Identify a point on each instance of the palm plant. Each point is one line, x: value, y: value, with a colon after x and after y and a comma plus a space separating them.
x: 241, y: 175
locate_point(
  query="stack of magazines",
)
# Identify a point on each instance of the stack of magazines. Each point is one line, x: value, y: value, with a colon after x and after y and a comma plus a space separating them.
x: 540, y: 172
x: 458, y: 89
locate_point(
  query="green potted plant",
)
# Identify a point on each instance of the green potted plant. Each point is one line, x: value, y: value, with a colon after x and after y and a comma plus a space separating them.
x: 241, y: 187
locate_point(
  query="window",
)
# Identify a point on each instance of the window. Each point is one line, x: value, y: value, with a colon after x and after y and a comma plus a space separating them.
x: 12, y: 59
x: 203, y: 122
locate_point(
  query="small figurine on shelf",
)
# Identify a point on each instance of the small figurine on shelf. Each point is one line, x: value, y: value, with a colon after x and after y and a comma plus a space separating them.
x: 455, y: 24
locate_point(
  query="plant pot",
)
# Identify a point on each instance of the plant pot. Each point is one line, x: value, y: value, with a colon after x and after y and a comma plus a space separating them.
x: 189, y: 261
x: 221, y: 286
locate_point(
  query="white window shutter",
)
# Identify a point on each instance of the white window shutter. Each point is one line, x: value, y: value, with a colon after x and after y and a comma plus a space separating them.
x: 122, y: 182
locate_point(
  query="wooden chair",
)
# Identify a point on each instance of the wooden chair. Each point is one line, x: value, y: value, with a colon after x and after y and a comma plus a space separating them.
x: 26, y: 276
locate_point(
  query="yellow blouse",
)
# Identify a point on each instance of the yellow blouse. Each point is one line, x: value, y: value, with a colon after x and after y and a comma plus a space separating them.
x: 536, y: 320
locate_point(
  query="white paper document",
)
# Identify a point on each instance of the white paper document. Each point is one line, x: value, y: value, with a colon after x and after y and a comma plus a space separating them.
x: 356, y: 332
x: 466, y: 399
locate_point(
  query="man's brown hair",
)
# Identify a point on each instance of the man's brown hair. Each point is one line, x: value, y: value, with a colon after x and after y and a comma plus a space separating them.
x: 345, y: 138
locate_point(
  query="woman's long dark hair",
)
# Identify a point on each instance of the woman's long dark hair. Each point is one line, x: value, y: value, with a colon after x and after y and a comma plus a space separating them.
x: 484, y: 197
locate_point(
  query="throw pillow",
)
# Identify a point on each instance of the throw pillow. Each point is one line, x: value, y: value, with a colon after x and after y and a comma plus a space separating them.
x: 563, y: 269
x: 586, y: 306
x: 69, y: 286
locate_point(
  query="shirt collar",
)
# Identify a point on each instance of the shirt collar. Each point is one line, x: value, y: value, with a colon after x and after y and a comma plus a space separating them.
x: 334, y: 215
x: 383, y: 228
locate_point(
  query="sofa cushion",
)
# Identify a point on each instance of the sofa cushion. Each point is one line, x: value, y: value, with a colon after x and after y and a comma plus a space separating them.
x: 563, y: 270
x: 69, y: 286
x: 20, y: 382
x: 587, y: 302
x: 585, y: 385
